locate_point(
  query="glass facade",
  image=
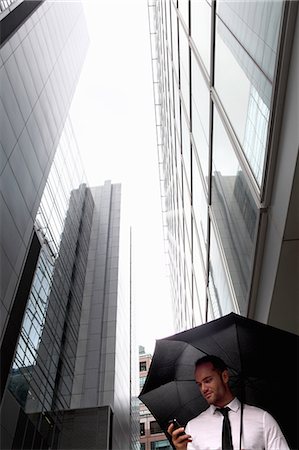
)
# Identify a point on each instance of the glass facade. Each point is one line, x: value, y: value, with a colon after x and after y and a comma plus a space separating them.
x: 42, y: 372
x: 40, y: 64
x: 6, y: 4
x: 66, y: 312
x: 43, y: 196
x: 45, y: 200
x: 215, y: 65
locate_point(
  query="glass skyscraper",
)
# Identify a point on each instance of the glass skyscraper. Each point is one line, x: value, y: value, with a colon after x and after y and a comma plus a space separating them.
x: 66, y: 322
x: 226, y: 104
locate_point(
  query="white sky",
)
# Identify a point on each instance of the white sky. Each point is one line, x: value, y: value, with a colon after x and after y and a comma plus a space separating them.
x: 113, y: 117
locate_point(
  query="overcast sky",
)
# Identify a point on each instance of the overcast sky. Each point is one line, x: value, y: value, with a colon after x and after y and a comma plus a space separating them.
x: 113, y: 117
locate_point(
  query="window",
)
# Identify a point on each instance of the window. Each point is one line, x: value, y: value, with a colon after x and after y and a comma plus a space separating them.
x: 142, y: 428
x: 236, y: 215
x: 155, y: 428
x: 142, y: 381
x: 201, y: 29
x: 238, y: 36
x: 142, y: 366
x: 142, y: 446
x: 161, y: 445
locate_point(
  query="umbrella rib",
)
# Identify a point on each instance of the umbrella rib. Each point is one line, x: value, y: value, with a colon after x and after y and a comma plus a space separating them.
x: 222, y: 348
x: 182, y: 404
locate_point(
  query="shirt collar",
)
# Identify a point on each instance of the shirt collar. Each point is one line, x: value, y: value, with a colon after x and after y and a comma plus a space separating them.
x: 234, y: 405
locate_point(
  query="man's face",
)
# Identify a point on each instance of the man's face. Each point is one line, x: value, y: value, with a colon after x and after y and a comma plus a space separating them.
x: 212, y: 384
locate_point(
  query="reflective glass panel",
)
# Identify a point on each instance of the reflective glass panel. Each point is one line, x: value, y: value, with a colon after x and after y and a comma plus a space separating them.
x: 174, y: 21
x: 201, y: 29
x: 186, y: 147
x: 221, y: 302
x: 184, y: 10
x: 246, y: 42
x: 187, y: 211
x: 199, y: 290
x: 234, y: 210
x: 184, y: 69
x: 200, y: 115
x: 177, y: 111
x: 200, y: 207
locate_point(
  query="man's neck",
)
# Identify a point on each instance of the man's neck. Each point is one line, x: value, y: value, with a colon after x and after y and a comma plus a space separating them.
x: 225, y: 402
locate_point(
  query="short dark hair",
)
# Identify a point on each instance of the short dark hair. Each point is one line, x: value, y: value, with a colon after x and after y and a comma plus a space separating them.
x: 217, y: 362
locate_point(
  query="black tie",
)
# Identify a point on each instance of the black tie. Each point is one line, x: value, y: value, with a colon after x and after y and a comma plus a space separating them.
x: 227, y: 443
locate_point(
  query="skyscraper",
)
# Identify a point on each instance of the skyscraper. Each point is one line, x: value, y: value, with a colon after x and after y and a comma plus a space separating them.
x: 42, y: 52
x: 226, y: 104
x: 99, y: 411
x: 66, y: 329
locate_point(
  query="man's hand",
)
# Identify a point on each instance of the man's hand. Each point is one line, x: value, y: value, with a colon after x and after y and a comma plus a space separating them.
x: 179, y: 438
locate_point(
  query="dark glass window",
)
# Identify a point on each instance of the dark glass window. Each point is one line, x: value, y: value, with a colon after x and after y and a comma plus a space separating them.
x: 241, y: 29
x: 142, y: 381
x: 142, y: 428
x: 235, y: 212
x: 155, y: 428
x: 163, y: 445
x: 142, y: 366
x: 200, y: 117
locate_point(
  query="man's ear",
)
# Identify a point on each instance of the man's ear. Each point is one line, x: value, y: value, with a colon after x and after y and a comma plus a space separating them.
x: 225, y: 376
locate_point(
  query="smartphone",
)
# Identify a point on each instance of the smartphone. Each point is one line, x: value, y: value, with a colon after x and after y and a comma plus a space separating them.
x: 176, y: 425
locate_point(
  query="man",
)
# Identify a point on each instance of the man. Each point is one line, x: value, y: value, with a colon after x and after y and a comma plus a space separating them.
x: 259, y: 430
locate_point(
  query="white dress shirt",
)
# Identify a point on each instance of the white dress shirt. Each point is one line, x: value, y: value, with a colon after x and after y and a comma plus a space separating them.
x: 260, y: 430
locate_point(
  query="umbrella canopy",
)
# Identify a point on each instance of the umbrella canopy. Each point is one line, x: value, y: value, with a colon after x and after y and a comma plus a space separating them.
x: 262, y: 361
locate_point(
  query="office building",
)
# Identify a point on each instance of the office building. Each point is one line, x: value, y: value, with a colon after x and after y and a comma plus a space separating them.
x: 151, y: 435
x: 42, y: 53
x: 66, y: 330
x: 100, y: 413
x: 226, y: 104
x: 43, y: 45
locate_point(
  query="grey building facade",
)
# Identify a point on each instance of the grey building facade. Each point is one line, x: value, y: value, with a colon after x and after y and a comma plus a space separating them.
x: 40, y: 64
x: 102, y: 411
x: 66, y: 359
x: 43, y: 45
x: 101, y: 396
x: 226, y: 104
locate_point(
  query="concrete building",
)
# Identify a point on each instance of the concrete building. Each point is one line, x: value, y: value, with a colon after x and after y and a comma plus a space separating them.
x: 151, y: 435
x: 66, y: 329
x: 226, y: 103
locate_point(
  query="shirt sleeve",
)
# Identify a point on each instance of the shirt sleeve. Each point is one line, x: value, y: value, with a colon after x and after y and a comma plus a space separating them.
x: 274, y: 439
x: 190, y: 445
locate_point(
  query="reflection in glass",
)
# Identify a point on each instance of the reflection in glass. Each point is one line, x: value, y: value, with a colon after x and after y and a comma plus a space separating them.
x: 234, y: 210
x: 175, y: 50
x: 183, y: 6
x: 199, y: 301
x: 177, y: 113
x: 200, y: 115
x: 33, y: 326
x: 184, y: 69
x: 256, y: 25
x: 201, y: 29
x: 200, y: 207
x: 246, y: 42
x: 187, y: 209
x: 186, y: 147
x: 221, y: 302
x: 42, y: 370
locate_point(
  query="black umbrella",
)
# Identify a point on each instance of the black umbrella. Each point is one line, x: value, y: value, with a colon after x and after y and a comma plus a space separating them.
x: 262, y: 361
